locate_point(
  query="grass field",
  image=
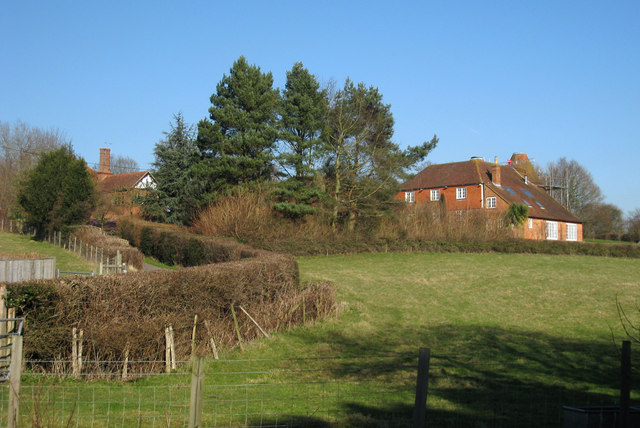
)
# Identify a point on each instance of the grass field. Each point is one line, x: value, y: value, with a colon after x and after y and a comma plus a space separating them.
x: 11, y: 243
x: 513, y: 338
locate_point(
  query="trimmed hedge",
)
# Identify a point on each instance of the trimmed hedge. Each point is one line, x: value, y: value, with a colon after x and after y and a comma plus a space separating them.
x: 350, y: 245
x: 175, y: 245
x: 110, y: 244
x: 132, y: 310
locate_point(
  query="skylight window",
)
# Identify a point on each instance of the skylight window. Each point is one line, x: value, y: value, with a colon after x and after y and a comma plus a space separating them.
x: 527, y: 203
x: 508, y: 189
x: 526, y: 192
x: 538, y: 204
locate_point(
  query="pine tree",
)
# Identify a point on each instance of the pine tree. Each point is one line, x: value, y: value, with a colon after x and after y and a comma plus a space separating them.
x: 303, y: 123
x: 236, y: 143
x: 176, y: 195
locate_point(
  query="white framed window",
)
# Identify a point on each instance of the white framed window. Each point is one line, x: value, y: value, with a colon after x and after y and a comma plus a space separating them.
x: 461, y: 193
x: 410, y: 197
x: 492, y: 202
x: 572, y: 232
x: 435, y: 194
x: 552, y: 230
x: 530, y: 223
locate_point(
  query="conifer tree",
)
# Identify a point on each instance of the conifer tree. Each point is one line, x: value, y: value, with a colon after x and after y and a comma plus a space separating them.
x: 58, y: 192
x: 236, y: 144
x: 303, y: 122
x: 176, y: 195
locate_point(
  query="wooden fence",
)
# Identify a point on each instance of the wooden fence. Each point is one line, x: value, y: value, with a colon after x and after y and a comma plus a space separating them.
x: 18, y: 270
x: 105, y: 264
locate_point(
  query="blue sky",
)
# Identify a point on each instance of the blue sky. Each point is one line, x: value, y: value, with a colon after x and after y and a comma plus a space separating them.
x: 549, y: 78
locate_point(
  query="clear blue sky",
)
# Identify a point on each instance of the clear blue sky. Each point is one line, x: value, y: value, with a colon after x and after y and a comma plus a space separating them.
x: 548, y: 78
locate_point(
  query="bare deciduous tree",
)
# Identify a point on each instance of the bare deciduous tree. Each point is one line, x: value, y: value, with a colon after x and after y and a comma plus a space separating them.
x: 578, y: 188
x: 122, y: 164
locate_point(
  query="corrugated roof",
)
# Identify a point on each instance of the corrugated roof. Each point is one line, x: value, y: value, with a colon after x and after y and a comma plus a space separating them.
x: 513, y: 188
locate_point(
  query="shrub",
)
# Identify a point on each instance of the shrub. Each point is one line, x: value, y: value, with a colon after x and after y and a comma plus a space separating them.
x: 132, y: 310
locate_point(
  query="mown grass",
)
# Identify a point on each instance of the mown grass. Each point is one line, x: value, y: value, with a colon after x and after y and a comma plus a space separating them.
x: 11, y: 243
x: 513, y: 338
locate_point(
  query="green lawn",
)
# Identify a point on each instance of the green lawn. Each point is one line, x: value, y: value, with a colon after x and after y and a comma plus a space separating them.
x: 513, y: 338
x: 11, y: 243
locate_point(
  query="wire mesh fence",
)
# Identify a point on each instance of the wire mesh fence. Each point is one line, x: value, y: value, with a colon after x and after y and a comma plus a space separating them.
x: 332, y: 391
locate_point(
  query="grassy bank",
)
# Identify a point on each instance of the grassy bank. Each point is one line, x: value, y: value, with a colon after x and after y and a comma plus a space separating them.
x: 11, y: 243
x: 513, y: 337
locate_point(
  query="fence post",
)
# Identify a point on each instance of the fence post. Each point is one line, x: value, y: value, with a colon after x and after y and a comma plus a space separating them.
x: 15, y: 371
x: 197, y: 383
x: 193, y: 337
x: 625, y: 384
x: 420, y: 409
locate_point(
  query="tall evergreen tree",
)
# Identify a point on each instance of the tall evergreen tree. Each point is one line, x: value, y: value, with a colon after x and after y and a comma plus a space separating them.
x: 176, y: 195
x: 303, y: 122
x: 236, y: 143
x: 58, y: 192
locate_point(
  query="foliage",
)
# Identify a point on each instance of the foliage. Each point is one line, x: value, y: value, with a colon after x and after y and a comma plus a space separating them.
x: 176, y: 195
x: 602, y: 219
x: 303, y: 122
x: 57, y: 192
x: 633, y: 226
x: 295, y: 198
x: 236, y: 144
x: 303, y: 125
x: 364, y: 163
x: 517, y: 214
x: 20, y: 147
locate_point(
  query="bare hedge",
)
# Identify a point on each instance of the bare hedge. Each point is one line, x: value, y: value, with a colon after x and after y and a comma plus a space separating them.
x: 132, y: 310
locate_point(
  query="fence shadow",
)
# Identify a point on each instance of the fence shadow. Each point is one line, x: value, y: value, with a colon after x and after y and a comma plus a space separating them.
x: 487, y: 375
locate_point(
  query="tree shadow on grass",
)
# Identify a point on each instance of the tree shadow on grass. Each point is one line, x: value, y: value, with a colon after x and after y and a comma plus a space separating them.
x: 481, y: 376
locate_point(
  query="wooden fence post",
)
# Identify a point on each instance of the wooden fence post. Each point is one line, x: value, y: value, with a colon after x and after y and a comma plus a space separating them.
x: 211, y: 341
x: 255, y: 322
x: 167, y: 351
x: 193, y: 337
x: 420, y: 407
x: 3, y: 314
x: 74, y: 353
x: 235, y: 322
x: 197, y: 384
x: 15, y: 371
x: 125, y: 368
x: 173, y: 349
x: 625, y: 384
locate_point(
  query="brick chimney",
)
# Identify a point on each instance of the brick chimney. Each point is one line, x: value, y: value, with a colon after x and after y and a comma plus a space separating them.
x: 495, y: 175
x: 105, y: 161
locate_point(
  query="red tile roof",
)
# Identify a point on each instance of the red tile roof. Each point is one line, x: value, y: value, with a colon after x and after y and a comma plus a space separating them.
x: 513, y: 188
x: 116, y: 182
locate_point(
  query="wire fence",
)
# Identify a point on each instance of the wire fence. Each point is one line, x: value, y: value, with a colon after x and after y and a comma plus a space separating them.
x: 335, y: 391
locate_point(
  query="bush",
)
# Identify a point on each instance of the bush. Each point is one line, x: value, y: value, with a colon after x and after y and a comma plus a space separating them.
x: 177, y: 245
x: 132, y: 310
x: 110, y: 244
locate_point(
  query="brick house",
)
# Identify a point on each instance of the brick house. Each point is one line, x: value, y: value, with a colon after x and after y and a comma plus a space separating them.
x: 118, y: 191
x: 491, y: 187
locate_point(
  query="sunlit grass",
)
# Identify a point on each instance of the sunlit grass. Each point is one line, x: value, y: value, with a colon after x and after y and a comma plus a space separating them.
x: 11, y: 243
